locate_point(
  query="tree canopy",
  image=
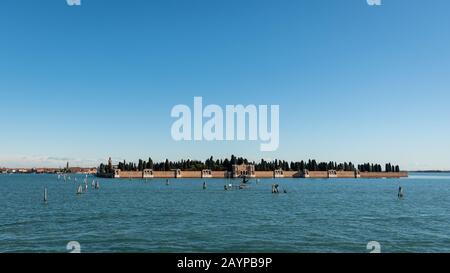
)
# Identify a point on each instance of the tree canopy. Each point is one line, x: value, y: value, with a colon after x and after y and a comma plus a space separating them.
x: 263, y: 165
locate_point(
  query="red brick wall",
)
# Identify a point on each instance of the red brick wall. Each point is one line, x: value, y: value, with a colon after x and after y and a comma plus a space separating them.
x: 191, y: 174
x: 130, y: 174
x: 218, y: 174
x: 318, y: 174
x: 264, y: 174
x: 344, y: 174
x: 163, y: 174
x: 384, y: 175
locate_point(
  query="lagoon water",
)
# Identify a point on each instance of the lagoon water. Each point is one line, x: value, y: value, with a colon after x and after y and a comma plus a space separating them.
x: 320, y: 215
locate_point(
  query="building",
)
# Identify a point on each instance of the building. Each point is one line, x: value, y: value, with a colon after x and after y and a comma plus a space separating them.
x: 244, y: 170
x: 332, y: 174
x: 206, y: 173
x: 148, y: 173
x: 304, y: 173
x: 279, y: 173
x: 178, y: 173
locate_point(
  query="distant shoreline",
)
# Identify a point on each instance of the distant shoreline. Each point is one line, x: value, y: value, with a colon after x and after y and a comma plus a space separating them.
x: 431, y: 171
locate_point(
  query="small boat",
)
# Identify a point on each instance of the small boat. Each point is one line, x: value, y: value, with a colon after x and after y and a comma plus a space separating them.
x: 243, y: 186
x: 167, y: 182
x: 79, y: 190
x: 97, y: 185
x: 93, y: 184
x: 245, y: 179
x: 204, y: 185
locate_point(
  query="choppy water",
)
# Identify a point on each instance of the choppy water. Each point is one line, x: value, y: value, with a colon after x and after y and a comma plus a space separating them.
x: 335, y: 215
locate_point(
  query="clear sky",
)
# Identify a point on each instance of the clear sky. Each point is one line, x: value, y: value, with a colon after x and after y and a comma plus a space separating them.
x: 354, y: 82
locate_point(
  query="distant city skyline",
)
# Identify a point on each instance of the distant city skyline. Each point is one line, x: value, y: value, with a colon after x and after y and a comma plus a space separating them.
x: 354, y: 82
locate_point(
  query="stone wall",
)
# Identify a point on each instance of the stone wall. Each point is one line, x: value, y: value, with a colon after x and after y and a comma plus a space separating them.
x: 163, y: 174
x: 291, y: 174
x: 258, y: 174
x: 345, y: 174
x: 318, y: 174
x: 219, y: 174
x: 264, y: 174
x: 130, y: 174
x: 384, y: 175
x: 191, y: 174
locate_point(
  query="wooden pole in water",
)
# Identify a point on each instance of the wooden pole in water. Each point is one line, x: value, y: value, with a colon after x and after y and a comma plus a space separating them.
x: 45, y: 195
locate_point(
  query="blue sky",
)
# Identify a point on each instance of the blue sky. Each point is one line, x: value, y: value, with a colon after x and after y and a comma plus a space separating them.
x: 354, y: 82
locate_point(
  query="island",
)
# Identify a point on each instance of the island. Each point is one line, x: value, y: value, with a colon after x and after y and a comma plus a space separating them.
x: 239, y: 167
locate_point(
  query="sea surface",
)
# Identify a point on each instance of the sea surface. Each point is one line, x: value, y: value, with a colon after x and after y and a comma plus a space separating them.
x: 315, y: 215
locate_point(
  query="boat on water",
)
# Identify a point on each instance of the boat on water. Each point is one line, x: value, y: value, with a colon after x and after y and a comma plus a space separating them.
x: 240, y: 186
x: 245, y: 180
x: 45, y: 195
x: 244, y: 183
x: 80, y: 190
x: 97, y: 185
x: 243, y: 186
